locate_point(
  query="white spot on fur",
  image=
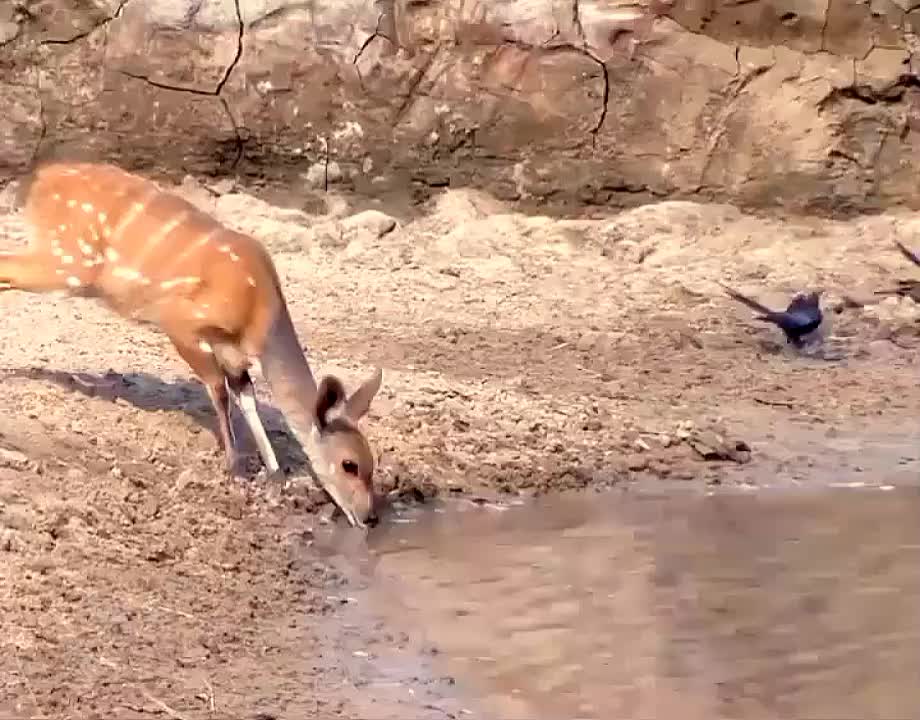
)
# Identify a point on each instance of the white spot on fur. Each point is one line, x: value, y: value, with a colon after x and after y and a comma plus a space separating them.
x: 102, y: 217
x: 205, y: 347
x: 62, y: 227
x: 56, y: 250
x: 234, y: 256
x: 71, y: 203
x: 56, y: 196
x: 111, y: 254
x: 67, y: 259
x: 200, y: 315
x: 251, y: 280
x: 74, y: 282
x: 224, y: 248
x: 106, y: 232
x: 126, y: 273
x: 87, y: 207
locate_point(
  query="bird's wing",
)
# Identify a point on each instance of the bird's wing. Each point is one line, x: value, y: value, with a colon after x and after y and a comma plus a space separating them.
x: 804, y: 304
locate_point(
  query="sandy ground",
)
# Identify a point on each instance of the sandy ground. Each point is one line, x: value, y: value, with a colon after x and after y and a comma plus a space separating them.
x: 520, y: 353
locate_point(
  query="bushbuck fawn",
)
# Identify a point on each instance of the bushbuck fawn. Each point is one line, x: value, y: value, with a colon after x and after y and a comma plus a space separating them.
x: 98, y: 231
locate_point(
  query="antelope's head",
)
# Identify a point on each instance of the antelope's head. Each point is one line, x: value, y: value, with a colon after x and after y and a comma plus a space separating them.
x: 345, y: 465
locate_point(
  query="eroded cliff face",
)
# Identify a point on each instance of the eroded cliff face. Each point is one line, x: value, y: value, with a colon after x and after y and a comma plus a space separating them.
x: 808, y: 104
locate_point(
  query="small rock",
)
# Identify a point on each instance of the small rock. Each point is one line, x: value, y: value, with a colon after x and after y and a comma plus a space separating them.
x: 10, y: 541
x: 13, y: 459
x: 374, y: 222
x: 222, y: 187
x: 186, y: 478
x: 316, y: 175
x: 711, y: 446
x: 637, y: 462
x: 337, y: 207
x: 333, y: 172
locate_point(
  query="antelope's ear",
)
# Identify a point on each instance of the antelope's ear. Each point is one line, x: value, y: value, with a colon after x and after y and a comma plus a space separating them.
x: 329, y: 394
x: 359, y: 403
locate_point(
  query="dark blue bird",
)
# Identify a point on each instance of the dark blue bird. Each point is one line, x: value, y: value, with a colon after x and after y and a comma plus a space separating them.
x: 802, y: 317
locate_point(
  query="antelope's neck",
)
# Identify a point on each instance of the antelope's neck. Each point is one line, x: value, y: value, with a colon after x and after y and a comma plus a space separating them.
x: 293, y: 387
x: 288, y: 373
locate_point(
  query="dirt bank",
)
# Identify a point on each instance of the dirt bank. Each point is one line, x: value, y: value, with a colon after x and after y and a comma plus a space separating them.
x: 810, y: 105
x: 519, y: 353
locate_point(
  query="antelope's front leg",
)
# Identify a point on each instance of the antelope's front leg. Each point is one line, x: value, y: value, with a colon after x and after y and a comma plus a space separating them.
x: 244, y: 394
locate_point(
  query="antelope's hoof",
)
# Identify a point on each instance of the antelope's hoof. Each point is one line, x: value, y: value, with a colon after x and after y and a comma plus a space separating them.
x: 275, y: 477
x: 236, y: 469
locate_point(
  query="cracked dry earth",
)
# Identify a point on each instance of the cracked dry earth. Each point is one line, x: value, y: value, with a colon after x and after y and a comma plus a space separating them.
x: 520, y: 354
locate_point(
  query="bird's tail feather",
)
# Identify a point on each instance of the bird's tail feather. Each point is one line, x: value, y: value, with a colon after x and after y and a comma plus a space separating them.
x: 906, y: 252
x: 767, y: 313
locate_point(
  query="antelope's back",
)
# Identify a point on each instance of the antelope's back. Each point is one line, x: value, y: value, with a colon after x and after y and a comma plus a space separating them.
x: 141, y: 245
x: 110, y: 208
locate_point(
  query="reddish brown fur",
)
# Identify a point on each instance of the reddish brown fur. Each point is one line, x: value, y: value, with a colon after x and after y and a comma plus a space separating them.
x: 153, y: 257
x: 103, y: 215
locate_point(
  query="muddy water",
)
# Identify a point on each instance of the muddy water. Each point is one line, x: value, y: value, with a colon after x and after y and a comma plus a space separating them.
x: 779, y: 604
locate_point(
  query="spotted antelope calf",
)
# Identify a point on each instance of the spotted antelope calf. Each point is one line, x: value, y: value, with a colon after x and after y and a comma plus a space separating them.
x: 154, y: 258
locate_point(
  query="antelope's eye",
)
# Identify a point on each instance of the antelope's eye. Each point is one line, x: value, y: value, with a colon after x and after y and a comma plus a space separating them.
x: 350, y: 466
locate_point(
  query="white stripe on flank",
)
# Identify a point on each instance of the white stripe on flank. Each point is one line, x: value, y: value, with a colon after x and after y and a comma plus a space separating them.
x: 192, y: 247
x: 175, y: 282
x: 157, y: 237
x: 132, y: 214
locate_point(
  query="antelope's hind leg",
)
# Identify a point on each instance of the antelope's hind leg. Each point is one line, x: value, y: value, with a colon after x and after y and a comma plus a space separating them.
x: 235, y: 366
x: 205, y: 367
x: 37, y: 273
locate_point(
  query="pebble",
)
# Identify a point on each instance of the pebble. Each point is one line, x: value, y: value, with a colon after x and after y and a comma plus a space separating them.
x: 374, y: 222
x: 13, y: 459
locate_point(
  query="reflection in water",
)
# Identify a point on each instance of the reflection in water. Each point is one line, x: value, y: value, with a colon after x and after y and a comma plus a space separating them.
x: 774, y: 605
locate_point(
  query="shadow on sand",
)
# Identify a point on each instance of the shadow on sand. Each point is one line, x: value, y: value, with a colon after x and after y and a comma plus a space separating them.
x: 150, y: 393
